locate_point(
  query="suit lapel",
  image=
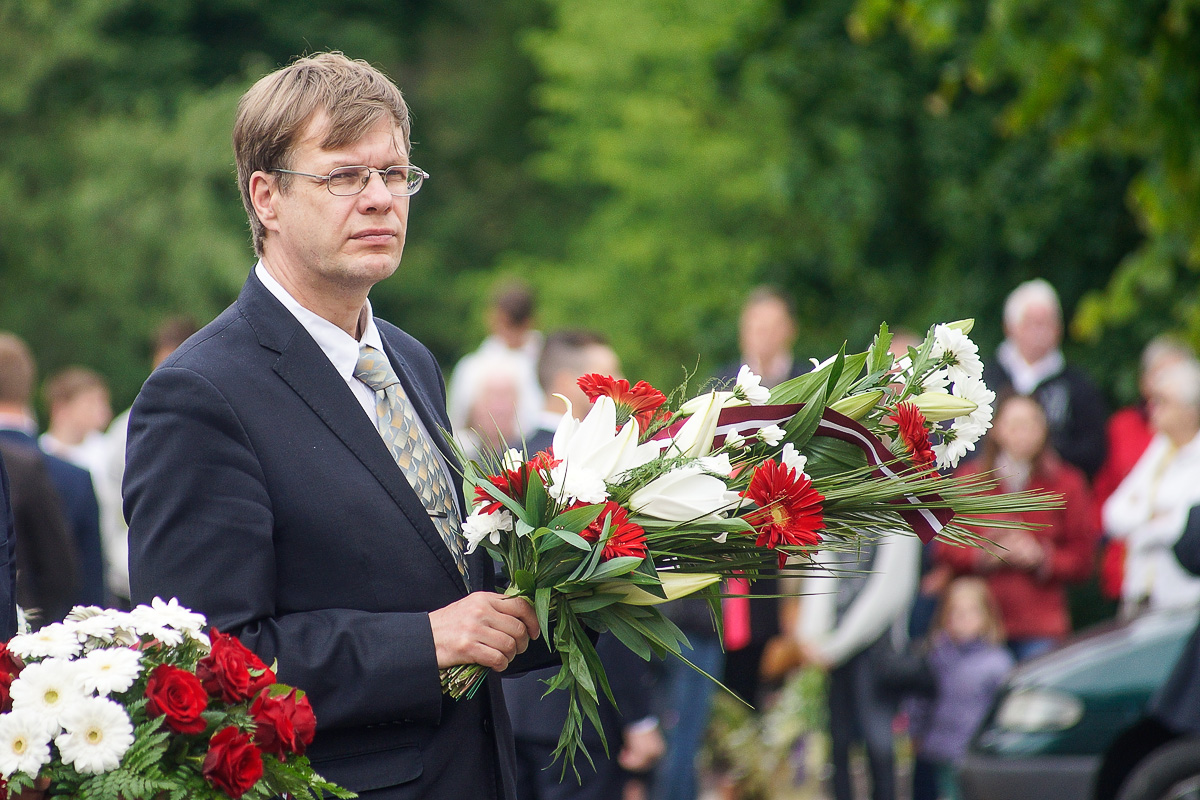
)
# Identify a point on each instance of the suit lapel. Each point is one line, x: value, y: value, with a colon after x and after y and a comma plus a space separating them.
x: 306, y: 369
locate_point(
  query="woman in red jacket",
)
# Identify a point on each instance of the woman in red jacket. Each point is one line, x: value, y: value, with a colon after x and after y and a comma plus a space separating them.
x: 1027, y: 570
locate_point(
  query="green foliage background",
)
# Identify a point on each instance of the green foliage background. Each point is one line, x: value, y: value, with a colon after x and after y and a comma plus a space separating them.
x: 643, y: 162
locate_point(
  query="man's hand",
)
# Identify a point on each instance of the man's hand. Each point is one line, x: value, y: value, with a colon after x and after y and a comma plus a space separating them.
x: 483, y: 628
x: 641, y: 749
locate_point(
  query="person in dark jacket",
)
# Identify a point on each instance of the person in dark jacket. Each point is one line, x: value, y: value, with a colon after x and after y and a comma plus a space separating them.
x: 1177, y: 703
x: 8, y: 567
x: 1030, y: 362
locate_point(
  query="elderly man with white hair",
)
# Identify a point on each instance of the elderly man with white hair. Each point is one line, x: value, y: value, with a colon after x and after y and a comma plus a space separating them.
x: 1030, y: 362
x: 1150, y: 507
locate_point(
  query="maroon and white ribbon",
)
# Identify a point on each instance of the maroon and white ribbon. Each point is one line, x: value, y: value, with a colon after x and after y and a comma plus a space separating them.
x: 747, y: 421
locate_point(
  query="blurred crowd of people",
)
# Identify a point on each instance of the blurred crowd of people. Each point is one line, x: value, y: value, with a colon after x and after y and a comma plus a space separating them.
x: 906, y: 634
x: 923, y: 634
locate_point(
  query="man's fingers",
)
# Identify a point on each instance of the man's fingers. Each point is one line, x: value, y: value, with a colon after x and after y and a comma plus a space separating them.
x: 520, y: 608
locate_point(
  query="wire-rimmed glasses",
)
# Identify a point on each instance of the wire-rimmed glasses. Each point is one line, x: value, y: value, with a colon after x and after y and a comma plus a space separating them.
x: 401, y: 181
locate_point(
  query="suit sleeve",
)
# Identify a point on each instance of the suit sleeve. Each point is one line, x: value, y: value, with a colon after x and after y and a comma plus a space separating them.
x: 202, y: 528
x: 8, y: 571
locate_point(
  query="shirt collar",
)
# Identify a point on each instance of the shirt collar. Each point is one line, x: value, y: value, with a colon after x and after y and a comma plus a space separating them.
x: 338, y: 346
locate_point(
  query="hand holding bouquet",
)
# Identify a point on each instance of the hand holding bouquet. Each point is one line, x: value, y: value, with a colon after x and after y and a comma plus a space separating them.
x: 649, y: 498
x: 143, y: 704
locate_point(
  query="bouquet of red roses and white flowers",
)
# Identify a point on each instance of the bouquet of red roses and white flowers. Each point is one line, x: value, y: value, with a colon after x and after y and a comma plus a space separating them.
x: 651, y: 498
x: 144, y: 705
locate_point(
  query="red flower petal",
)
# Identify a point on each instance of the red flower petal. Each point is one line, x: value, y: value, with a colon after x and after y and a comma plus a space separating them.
x: 625, y: 538
x: 789, y: 508
x: 514, y: 482
x: 914, y: 435
x: 639, y: 401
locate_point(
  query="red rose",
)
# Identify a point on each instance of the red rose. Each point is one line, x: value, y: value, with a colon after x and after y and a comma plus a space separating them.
x: 286, y: 723
x: 10, y: 664
x: 231, y: 672
x: 5, y: 692
x: 233, y: 764
x: 177, y: 694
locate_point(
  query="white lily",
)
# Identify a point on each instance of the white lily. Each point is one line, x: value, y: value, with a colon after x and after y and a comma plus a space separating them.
x: 695, y: 437
x: 593, y: 452
x: 675, y: 585
x: 941, y: 406
x: 791, y: 457
x: 856, y: 406
x: 684, y: 494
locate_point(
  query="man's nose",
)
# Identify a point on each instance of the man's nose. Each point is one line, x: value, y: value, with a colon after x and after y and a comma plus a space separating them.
x: 375, y: 193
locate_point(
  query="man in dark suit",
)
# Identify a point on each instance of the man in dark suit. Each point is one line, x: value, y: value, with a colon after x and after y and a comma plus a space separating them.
x: 287, y: 475
x: 630, y: 729
x: 8, y: 566
x: 73, y: 484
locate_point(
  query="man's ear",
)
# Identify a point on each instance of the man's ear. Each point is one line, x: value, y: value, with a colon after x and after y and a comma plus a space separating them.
x: 264, y: 192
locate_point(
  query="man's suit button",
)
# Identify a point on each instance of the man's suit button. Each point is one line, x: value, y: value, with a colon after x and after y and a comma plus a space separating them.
x: 487, y: 724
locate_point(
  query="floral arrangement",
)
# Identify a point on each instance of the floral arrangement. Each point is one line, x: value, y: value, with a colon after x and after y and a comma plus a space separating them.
x: 144, y: 705
x: 651, y: 497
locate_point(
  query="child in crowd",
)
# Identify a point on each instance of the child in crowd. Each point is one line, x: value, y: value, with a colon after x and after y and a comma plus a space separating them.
x: 969, y: 661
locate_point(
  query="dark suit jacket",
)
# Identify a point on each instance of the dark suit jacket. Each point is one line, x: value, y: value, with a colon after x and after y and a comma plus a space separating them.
x: 47, y: 572
x: 78, y: 495
x: 8, y: 561
x: 1177, y: 702
x: 260, y: 494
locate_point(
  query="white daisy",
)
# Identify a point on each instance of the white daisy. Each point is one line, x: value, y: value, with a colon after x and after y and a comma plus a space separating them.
x: 109, y: 670
x: 97, y: 732
x: 750, y: 387
x: 48, y: 688
x: 735, y: 440
x: 52, y: 641
x: 168, y: 614
x: 719, y: 465
x: 949, y: 453
x: 963, y: 361
x: 936, y: 381
x: 24, y: 743
x: 977, y: 423
x: 772, y: 434
x: 480, y: 526
x: 790, y: 457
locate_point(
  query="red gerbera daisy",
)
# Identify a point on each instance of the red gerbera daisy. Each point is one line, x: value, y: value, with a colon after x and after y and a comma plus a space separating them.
x: 914, y: 435
x: 625, y: 538
x: 789, y: 508
x: 514, y: 482
x: 639, y: 401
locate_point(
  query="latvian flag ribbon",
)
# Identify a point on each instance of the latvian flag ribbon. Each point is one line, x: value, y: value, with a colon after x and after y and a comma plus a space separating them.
x: 746, y: 421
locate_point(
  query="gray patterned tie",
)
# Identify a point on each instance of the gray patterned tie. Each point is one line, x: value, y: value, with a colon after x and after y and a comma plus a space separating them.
x: 411, y: 448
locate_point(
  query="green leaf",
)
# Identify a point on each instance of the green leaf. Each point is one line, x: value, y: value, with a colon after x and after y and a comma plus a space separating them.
x: 576, y: 519
x: 573, y: 539
x: 584, y: 605
x: 614, y: 567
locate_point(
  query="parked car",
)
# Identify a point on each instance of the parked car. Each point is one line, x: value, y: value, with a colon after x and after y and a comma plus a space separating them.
x: 1073, y: 724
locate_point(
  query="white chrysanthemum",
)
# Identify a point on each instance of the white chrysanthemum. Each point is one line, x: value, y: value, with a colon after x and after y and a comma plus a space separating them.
x: 977, y: 423
x: 53, y: 641
x: 936, y: 381
x: 772, y: 434
x: 751, y: 388
x: 480, y: 526
x: 790, y: 457
x: 96, y: 734
x: 24, y: 743
x: 109, y: 670
x: 49, y: 689
x: 949, y: 453
x: 169, y: 614
x: 735, y: 439
x: 963, y: 354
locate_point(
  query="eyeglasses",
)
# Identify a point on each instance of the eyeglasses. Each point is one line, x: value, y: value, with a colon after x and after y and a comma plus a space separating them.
x: 346, y: 181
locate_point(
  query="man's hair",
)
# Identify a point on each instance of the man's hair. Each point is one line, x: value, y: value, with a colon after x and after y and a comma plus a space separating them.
x: 515, y: 300
x: 1164, y: 346
x: 273, y: 114
x: 1037, y: 292
x: 17, y: 370
x: 770, y: 294
x: 70, y: 382
x: 566, y: 351
x: 174, y: 331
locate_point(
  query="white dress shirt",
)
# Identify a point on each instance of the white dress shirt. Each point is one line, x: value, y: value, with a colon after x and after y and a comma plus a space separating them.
x: 342, y: 350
